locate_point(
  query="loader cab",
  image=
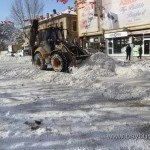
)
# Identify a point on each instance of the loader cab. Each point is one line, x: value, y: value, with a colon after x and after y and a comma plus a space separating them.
x: 50, y: 37
x: 50, y: 34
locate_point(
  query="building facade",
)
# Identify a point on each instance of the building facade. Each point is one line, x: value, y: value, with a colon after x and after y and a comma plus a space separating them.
x: 91, y: 36
x: 129, y: 22
x: 117, y: 23
x: 66, y: 20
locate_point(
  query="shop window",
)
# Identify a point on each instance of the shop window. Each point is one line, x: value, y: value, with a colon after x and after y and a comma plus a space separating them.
x: 147, y: 47
x: 126, y: 41
x: 119, y: 43
x: 110, y: 44
x: 123, y: 41
x: 95, y: 46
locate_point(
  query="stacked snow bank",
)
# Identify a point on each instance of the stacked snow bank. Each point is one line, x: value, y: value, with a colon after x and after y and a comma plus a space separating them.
x: 142, y: 65
x: 15, y: 59
x: 123, y: 91
x: 97, y: 73
x: 16, y: 68
x: 102, y: 60
x: 132, y: 69
x: 98, y: 63
x: 128, y: 72
x: 91, y: 71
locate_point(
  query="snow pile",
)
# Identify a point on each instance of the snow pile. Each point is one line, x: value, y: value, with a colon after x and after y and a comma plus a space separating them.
x: 89, y: 73
x: 128, y: 72
x: 97, y: 73
x: 18, y: 68
x: 108, y: 87
x: 102, y: 60
x: 99, y: 64
x: 5, y: 57
x: 122, y: 91
x: 132, y: 69
x: 142, y: 65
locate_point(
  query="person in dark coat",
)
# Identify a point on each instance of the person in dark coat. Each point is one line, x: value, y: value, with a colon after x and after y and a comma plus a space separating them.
x: 128, y: 52
x: 140, y: 52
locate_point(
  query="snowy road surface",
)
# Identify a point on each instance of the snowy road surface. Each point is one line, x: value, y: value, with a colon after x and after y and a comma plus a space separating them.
x: 77, y: 111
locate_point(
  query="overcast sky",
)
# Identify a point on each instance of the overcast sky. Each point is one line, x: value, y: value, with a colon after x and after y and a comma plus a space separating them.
x: 5, y: 6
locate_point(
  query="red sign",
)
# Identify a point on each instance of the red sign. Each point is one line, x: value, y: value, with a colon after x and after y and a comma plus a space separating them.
x: 62, y: 1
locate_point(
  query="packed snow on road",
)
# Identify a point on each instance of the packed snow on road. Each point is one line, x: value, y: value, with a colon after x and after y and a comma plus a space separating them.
x: 103, y: 104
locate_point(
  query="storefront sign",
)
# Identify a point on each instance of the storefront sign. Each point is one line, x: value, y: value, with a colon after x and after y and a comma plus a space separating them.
x: 96, y: 40
x: 91, y: 40
x: 115, y: 35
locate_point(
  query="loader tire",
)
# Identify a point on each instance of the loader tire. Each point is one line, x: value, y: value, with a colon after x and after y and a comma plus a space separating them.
x: 59, y: 62
x: 39, y: 62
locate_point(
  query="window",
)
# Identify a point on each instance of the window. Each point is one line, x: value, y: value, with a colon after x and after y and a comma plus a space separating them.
x: 74, y: 26
x: 110, y: 44
x: 146, y: 46
x: 119, y: 43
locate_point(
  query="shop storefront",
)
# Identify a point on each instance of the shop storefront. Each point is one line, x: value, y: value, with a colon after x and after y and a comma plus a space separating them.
x: 141, y: 38
x: 116, y: 43
x: 121, y: 22
x: 95, y: 43
x: 131, y: 16
x: 88, y: 30
x: 146, y: 45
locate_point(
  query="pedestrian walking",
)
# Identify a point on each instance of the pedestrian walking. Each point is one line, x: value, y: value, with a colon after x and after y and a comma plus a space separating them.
x: 140, y: 52
x: 128, y: 52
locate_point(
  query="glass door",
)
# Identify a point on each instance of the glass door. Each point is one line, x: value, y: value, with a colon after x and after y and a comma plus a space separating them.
x: 110, y: 46
x: 147, y: 46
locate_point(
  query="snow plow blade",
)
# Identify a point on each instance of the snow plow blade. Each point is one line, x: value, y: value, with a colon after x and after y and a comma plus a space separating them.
x: 83, y: 57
